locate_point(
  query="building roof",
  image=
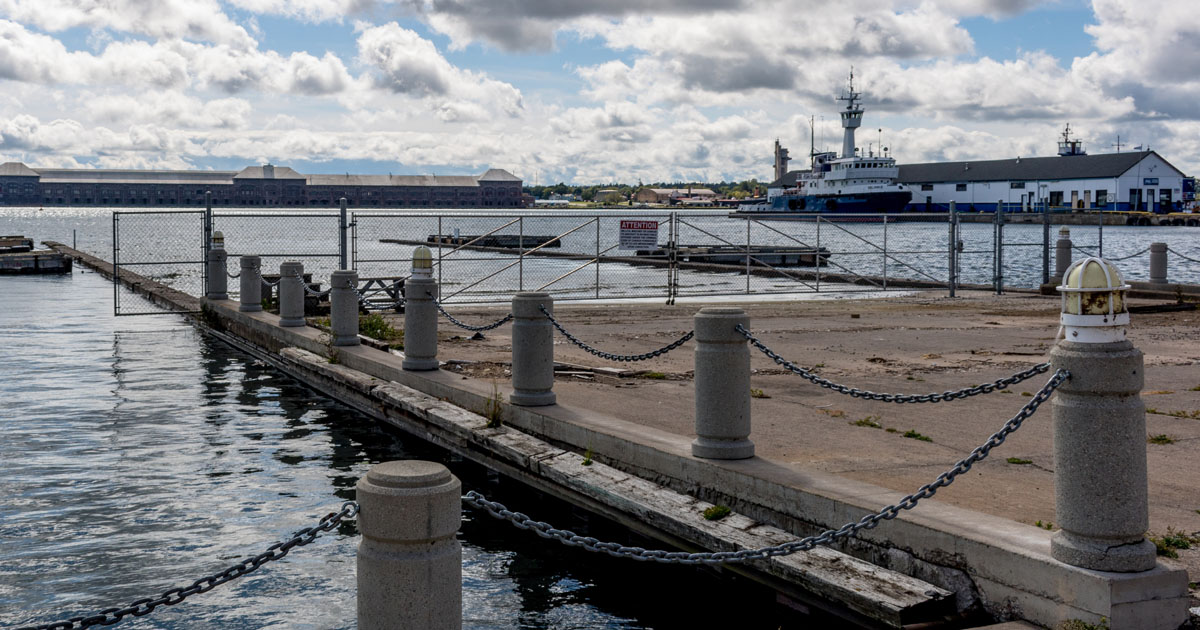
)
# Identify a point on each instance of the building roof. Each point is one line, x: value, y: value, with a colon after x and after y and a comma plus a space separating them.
x: 1024, y: 169
x: 113, y: 176
x: 16, y: 169
x: 683, y: 191
x: 256, y: 172
x: 498, y: 175
x: 392, y: 180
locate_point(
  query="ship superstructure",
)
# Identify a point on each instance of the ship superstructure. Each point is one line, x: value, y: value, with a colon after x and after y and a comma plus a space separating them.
x: 851, y: 182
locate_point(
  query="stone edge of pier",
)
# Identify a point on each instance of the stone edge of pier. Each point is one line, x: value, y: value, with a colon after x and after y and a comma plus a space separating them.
x: 1002, y: 565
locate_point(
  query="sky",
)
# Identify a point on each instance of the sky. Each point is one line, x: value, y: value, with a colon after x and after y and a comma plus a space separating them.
x: 586, y: 92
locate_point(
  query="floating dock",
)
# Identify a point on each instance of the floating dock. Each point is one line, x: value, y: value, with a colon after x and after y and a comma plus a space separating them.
x: 17, y: 257
x: 506, y: 241
x: 734, y: 255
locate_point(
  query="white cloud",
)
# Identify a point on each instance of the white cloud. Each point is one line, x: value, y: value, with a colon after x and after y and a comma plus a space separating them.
x: 198, y: 20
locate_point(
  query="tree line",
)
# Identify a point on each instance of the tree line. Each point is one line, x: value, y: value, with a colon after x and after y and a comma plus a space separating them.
x: 624, y: 192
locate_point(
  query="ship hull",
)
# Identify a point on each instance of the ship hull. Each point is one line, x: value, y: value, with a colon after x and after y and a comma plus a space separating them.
x: 865, y: 203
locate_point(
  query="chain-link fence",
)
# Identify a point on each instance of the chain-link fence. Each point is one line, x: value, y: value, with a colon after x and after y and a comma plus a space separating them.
x: 165, y: 247
x: 488, y: 257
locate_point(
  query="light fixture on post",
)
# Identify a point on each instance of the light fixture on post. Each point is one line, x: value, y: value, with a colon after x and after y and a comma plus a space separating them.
x: 1093, y: 302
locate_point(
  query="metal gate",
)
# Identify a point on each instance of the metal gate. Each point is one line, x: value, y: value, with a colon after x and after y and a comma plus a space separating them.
x: 167, y: 247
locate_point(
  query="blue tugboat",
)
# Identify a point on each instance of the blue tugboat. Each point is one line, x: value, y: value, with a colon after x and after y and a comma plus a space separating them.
x: 842, y: 185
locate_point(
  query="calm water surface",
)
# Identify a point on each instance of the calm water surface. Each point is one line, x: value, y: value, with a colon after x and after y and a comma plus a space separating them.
x: 138, y: 454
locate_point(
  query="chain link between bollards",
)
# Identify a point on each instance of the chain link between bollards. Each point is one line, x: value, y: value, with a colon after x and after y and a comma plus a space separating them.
x: 616, y: 357
x: 571, y: 539
x: 966, y: 392
x: 496, y: 324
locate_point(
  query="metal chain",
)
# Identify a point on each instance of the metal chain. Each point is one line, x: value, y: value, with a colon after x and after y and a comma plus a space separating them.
x: 496, y: 324
x: 1177, y: 253
x: 269, y: 283
x: 310, y: 291
x: 608, y: 355
x: 176, y: 595
x: 371, y: 306
x: 966, y: 392
x: 1129, y: 256
x: 571, y: 539
x: 234, y: 276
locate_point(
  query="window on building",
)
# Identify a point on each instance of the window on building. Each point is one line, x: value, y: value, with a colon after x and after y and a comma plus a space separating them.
x: 1016, y: 185
x: 1101, y: 198
x: 926, y: 186
x: 1056, y: 198
x: 960, y: 187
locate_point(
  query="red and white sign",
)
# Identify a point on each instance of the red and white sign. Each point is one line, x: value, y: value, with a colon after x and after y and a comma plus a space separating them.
x: 639, y: 235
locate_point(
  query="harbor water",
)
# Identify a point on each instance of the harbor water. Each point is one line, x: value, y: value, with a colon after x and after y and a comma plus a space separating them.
x: 139, y: 454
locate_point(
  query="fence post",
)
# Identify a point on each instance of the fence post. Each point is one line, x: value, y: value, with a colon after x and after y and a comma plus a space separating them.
x: 999, y: 279
x: 207, y: 220
x: 251, y: 284
x: 1158, y: 263
x: 532, y: 351
x: 951, y: 247
x: 1100, y: 482
x: 409, y: 560
x: 342, y: 257
x: 218, y: 279
x: 1062, y: 253
x: 420, y: 314
x: 722, y: 385
x: 291, y: 294
x: 343, y: 307
x: 1045, y: 247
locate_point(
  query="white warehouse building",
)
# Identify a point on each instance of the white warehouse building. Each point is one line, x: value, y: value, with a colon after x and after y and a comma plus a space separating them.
x: 1138, y: 180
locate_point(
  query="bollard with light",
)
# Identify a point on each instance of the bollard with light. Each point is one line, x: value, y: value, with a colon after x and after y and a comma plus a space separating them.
x: 422, y: 263
x: 420, y: 313
x: 1093, y: 302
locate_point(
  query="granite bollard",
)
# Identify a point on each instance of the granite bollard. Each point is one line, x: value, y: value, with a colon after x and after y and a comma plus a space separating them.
x: 532, y: 351
x: 1062, y: 253
x: 343, y: 307
x: 1158, y: 263
x: 291, y: 294
x: 409, y: 560
x: 722, y: 385
x: 251, y: 284
x: 420, y: 314
x: 1100, y: 478
x: 218, y: 279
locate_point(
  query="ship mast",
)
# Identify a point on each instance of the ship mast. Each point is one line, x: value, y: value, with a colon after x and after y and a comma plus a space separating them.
x: 851, y: 117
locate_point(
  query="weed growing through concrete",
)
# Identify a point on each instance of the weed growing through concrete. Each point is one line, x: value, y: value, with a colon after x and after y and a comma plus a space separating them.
x: 376, y: 327
x: 1161, y: 438
x: 1160, y: 391
x: 891, y: 430
x: 1018, y: 461
x: 1027, y: 394
x: 1046, y: 526
x: 1006, y: 391
x: 493, y: 408
x: 911, y: 433
x: 1193, y: 415
x: 869, y: 421
x: 658, y: 376
x: 758, y: 393
x: 587, y: 457
x: 717, y: 512
x: 1195, y: 389
x: 833, y: 413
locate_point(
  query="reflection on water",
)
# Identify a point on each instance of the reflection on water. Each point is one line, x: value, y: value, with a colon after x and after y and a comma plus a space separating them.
x: 139, y: 454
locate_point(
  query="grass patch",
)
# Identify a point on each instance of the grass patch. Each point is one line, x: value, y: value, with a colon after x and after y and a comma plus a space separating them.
x: 911, y: 433
x: 1160, y: 391
x: 758, y: 393
x: 1168, y: 544
x: 717, y: 512
x: 1195, y: 389
x: 1046, y: 526
x: 1018, y: 461
x: 1079, y: 624
x: 891, y: 430
x: 1027, y: 394
x: 376, y: 327
x: 587, y: 458
x: 493, y: 409
x: 657, y: 376
x: 1161, y: 438
x: 869, y: 421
